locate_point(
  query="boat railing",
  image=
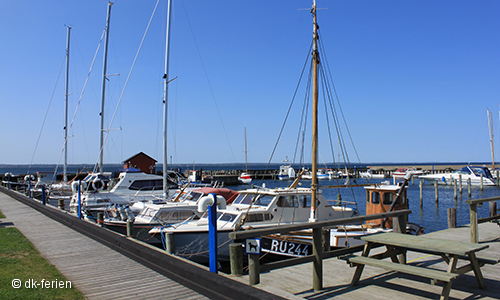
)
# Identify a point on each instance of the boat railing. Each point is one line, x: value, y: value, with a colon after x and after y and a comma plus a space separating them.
x: 474, y: 221
x: 320, y: 237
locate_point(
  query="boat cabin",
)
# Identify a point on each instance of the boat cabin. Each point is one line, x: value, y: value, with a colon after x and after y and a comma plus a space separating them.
x: 379, y: 199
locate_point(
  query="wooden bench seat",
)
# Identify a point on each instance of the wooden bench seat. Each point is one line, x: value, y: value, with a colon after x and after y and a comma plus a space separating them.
x: 408, y: 269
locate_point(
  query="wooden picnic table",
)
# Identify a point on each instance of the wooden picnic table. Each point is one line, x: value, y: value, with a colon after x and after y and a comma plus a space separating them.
x: 397, y: 244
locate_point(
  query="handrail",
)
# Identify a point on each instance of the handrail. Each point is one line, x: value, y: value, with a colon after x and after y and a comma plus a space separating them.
x: 481, y: 200
x: 236, y: 250
x: 474, y: 229
x: 239, y: 235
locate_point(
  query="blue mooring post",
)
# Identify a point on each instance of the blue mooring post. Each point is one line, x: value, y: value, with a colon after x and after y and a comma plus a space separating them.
x: 29, y: 187
x: 212, y: 234
x: 43, y: 195
x: 79, y: 200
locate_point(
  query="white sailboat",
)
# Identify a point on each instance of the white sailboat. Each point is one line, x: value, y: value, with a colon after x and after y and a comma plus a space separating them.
x: 261, y: 207
x: 245, y: 177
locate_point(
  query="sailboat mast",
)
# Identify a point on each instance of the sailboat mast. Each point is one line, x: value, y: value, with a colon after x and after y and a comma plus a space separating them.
x: 315, y: 62
x: 104, y: 78
x: 165, y: 97
x: 490, y: 125
x: 246, y: 161
x: 65, y: 172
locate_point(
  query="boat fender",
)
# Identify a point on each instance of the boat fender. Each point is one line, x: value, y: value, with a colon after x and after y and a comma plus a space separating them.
x: 130, y: 214
x: 208, y: 200
x: 29, y: 177
x: 74, y: 187
x: 98, y: 184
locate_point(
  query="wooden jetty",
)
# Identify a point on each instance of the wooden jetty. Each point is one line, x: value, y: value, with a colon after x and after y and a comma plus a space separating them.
x: 379, y: 284
x: 102, y: 264
x: 124, y: 277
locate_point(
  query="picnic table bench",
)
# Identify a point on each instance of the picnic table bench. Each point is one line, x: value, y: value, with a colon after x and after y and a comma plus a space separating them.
x: 398, y: 244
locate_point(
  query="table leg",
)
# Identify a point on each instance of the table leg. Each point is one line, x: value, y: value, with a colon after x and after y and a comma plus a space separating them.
x: 359, y: 268
x: 477, y: 270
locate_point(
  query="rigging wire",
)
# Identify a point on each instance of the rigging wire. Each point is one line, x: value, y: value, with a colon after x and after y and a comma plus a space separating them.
x: 209, y: 83
x: 288, y: 112
x: 46, y: 114
x: 126, y: 81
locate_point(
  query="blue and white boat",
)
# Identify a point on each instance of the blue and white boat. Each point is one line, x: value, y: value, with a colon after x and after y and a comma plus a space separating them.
x: 475, y: 174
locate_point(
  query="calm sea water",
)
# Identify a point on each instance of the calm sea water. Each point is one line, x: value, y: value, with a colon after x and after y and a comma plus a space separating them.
x: 432, y: 216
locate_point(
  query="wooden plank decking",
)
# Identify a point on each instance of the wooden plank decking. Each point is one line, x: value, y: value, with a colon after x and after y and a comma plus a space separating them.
x: 379, y: 284
x: 96, y: 270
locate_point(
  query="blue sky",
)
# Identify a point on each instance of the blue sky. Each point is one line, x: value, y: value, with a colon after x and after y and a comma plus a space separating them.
x: 414, y: 78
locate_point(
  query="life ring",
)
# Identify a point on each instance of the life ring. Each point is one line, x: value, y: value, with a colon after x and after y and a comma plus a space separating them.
x: 98, y: 184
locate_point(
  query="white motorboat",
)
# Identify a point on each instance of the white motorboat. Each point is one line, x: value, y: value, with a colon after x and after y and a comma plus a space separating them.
x: 253, y: 208
x: 132, y: 186
x: 476, y: 174
x: 286, y: 172
x: 400, y: 173
x: 369, y: 174
x: 182, y: 208
x: 245, y: 178
x: 322, y: 173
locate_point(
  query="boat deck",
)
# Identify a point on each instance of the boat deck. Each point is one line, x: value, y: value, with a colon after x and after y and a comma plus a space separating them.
x: 296, y: 282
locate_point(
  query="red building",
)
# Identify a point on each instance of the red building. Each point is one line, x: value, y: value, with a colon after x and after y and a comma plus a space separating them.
x: 142, y: 162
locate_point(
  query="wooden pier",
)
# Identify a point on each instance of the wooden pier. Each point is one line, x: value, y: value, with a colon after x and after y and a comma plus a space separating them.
x: 107, y: 272
x: 102, y: 264
x: 296, y: 282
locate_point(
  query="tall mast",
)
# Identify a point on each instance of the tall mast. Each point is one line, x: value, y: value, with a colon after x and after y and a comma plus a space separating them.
x: 165, y: 97
x: 315, y: 62
x: 65, y: 172
x: 246, y: 161
x: 104, y: 78
x: 490, y: 125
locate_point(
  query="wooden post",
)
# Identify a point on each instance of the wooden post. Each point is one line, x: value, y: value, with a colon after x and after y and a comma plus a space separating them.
x: 474, y: 233
x: 169, y: 242
x: 44, y: 201
x: 455, y: 196
x: 493, y: 208
x: 452, y: 217
x: 236, y: 258
x: 399, y: 226
x: 460, y: 183
x: 469, y: 184
x: 100, y: 218
x: 253, y: 269
x: 436, y: 190
x: 326, y: 240
x: 130, y: 228
x: 318, y: 259
x: 61, y: 204
x: 421, y: 193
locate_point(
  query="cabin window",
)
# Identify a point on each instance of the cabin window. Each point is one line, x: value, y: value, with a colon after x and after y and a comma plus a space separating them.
x: 227, y: 217
x: 147, y: 185
x: 243, y: 199
x: 388, y: 197
x: 367, y: 196
x: 305, y: 201
x: 255, y: 218
x: 263, y: 200
x: 287, y: 201
x: 375, y: 198
x: 268, y: 217
x: 177, y: 215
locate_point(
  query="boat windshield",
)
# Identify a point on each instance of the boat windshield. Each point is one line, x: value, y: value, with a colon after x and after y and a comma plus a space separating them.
x: 259, y: 200
x: 481, y: 171
x: 222, y: 216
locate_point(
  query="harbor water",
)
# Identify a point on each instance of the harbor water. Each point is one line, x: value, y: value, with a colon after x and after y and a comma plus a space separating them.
x: 432, y: 215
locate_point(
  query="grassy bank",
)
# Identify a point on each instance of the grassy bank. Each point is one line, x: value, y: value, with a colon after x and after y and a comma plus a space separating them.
x: 21, y: 264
